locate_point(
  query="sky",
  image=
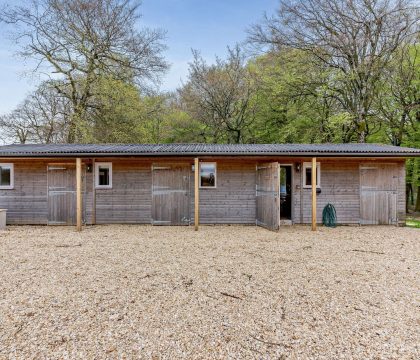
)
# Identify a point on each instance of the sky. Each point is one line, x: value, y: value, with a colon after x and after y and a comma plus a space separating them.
x: 206, y: 25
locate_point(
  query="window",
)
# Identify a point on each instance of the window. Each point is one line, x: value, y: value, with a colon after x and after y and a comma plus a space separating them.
x: 307, y: 175
x: 207, y: 175
x: 103, y: 175
x: 6, y: 176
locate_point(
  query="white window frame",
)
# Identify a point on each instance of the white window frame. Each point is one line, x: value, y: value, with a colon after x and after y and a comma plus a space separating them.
x: 103, y: 164
x: 215, y: 175
x: 307, y: 165
x: 12, y: 176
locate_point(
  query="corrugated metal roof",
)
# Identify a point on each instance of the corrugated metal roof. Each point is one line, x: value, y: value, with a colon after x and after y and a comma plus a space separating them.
x: 85, y: 150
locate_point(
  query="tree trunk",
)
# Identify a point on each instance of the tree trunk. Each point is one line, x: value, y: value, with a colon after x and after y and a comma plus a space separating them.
x: 417, y: 208
x: 71, y: 137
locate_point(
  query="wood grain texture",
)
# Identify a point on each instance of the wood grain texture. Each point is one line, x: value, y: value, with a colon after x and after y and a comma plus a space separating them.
x: 171, y: 194
x: 79, y: 205
x: 196, y: 193
x: 339, y: 186
x: 61, y: 194
x: 379, y: 188
x: 27, y: 202
x: 268, y: 195
x: 313, y: 189
x: 90, y: 180
x: 233, y: 201
x: 130, y: 199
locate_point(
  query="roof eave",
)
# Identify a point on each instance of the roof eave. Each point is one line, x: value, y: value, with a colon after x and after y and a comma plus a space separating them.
x: 194, y: 154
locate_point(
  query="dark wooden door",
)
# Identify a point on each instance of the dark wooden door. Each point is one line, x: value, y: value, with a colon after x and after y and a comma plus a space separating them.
x: 378, y: 193
x: 268, y: 194
x: 171, y: 194
x: 61, y: 195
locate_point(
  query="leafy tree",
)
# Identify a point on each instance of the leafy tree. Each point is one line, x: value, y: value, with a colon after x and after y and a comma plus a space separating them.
x: 355, y: 37
x: 398, y: 104
x: 294, y: 102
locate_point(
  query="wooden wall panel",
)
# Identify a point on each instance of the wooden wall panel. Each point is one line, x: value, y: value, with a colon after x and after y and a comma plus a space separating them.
x: 130, y: 199
x: 401, y: 196
x: 88, y: 196
x: 339, y: 186
x: 27, y: 202
x: 233, y: 201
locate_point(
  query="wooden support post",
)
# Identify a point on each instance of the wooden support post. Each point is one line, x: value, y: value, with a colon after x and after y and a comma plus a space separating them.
x: 79, y: 194
x: 196, y: 193
x: 93, y: 193
x: 313, y: 182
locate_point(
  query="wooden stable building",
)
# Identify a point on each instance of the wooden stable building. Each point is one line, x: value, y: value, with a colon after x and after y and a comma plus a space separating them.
x: 270, y: 185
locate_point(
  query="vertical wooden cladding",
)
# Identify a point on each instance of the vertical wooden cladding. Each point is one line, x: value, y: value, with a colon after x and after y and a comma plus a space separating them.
x: 196, y: 193
x: 268, y: 195
x: 27, y: 202
x: 339, y: 186
x: 61, y: 194
x: 379, y: 189
x: 79, y: 204
x: 171, y: 194
x: 313, y: 200
x: 233, y: 200
x: 130, y: 199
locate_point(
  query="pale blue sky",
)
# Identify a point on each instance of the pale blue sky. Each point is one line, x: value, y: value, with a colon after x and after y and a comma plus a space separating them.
x: 209, y: 26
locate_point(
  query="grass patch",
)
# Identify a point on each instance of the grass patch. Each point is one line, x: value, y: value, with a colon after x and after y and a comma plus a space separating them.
x: 413, y: 223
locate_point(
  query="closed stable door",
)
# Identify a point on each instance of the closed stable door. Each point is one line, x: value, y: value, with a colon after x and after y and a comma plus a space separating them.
x: 170, y: 194
x: 378, y: 194
x: 268, y: 195
x: 61, y: 194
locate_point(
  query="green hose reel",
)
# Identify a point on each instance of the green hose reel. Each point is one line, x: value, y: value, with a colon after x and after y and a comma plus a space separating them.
x: 329, y: 216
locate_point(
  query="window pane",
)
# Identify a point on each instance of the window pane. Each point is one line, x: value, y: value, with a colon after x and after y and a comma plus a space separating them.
x: 4, y: 176
x: 103, y: 176
x: 308, y: 175
x: 207, y: 175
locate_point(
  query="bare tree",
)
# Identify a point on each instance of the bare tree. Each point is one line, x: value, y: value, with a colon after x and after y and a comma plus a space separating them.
x: 80, y: 40
x: 14, y: 128
x: 41, y: 118
x: 220, y: 96
x: 356, y: 37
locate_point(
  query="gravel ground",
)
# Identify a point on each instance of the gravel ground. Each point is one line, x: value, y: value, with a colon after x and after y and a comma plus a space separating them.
x: 122, y: 292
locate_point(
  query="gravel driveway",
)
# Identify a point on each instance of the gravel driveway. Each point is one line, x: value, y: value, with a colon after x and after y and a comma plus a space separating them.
x: 223, y: 292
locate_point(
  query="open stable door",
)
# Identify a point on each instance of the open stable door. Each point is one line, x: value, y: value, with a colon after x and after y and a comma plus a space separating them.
x: 268, y: 195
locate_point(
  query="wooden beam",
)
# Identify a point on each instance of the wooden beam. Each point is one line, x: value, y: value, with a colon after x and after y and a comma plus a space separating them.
x: 79, y: 194
x: 93, y: 193
x: 313, y: 182
x: 196, y: 193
